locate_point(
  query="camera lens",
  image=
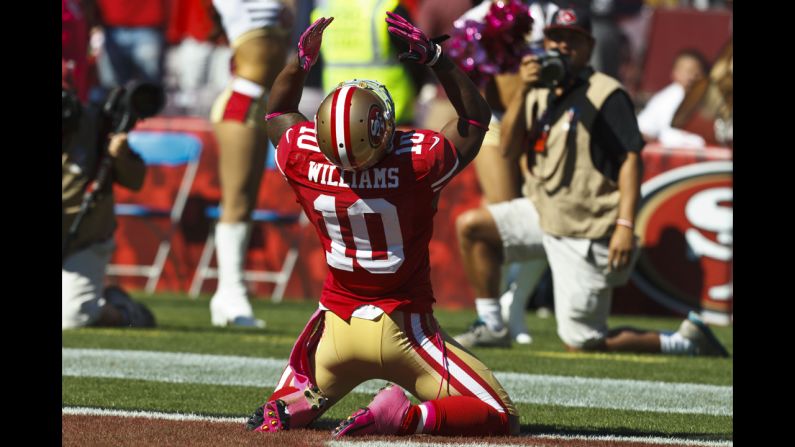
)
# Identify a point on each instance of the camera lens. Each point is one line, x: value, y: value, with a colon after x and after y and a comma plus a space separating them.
x: 554, y: 68
x: 552, y: 71
x: 146, y: 99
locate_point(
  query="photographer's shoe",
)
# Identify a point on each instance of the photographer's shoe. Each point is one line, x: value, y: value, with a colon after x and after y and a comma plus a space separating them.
x: 136, y: 313
x: 479, y: 334
x: 695, y: 330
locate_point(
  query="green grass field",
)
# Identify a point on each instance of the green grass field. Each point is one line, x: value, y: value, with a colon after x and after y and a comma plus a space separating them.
x: 184, y: 327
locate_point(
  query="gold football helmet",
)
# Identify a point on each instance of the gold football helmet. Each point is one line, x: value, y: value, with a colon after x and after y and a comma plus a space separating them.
x: 355, y: 124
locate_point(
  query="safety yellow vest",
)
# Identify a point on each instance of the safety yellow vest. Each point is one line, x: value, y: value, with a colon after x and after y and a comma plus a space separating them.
x: 356, y: 46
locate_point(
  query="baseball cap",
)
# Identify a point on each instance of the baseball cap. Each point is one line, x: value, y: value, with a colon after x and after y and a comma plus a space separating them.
x: 575, y: 19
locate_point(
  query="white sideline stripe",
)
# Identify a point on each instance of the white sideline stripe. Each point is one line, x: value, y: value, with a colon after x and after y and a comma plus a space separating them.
x: 84, y: 411
x: 618, y: 394
x: 649, y: 440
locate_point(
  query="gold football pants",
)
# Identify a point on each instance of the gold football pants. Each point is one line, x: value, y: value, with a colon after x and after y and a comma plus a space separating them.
x: 408, y: 349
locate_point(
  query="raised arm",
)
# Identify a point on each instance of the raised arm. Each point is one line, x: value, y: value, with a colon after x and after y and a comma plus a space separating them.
x: 513, y: 135
x: 129, y: 169
x: 467, y: 130
x: 282, y: 109
x: 513, y: 131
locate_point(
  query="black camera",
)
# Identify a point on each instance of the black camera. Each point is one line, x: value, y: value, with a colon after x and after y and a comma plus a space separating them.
x: 132, y: 102
x: 554, y: 67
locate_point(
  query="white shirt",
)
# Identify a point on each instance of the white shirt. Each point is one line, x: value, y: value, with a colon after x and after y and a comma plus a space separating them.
x: 655, y: 119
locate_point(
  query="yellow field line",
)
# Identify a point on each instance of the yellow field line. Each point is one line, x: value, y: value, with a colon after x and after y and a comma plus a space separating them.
x: 613, y: 357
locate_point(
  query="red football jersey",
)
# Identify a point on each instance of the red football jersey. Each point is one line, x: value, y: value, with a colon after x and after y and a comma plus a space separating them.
x: 375, y: 225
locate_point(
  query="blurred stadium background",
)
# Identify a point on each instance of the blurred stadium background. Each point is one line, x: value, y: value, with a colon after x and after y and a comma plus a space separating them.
x: 685, y: 223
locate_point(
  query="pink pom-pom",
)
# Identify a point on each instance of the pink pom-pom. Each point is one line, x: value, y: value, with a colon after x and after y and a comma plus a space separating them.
x: 493, y: 46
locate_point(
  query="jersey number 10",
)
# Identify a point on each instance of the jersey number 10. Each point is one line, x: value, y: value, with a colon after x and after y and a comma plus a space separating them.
x: 337, y: 257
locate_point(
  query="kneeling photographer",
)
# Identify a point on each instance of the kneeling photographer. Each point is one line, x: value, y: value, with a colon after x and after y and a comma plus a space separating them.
x: 95, y: 154
x: 574, y: 133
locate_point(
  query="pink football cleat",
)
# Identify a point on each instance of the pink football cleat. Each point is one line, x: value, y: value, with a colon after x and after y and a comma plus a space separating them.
x: 382, y: 417
x: 295, y: 408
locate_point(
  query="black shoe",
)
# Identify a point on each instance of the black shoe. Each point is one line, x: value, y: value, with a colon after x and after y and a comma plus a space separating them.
x: 136, y: 313
x: 695, y: 330
x: 480, y: 335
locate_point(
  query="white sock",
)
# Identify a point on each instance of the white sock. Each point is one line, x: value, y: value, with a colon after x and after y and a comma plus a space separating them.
x: 231, y: 242
x: 489, y: 311
x: 674, y: 343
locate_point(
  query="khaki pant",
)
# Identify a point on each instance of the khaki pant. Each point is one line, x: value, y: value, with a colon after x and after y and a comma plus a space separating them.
x: 82, y: 284
x: 582, y: 283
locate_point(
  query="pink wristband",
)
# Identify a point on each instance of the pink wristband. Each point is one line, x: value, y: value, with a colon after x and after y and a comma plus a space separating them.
x: 273, y: 115
x: 478, y: 124
x: 625, y: 223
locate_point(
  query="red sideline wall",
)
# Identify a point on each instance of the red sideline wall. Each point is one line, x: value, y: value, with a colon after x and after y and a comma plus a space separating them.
x: 136, y: 242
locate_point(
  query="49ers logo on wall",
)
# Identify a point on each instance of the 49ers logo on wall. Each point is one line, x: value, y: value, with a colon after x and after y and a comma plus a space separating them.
x: 376, y: 125
x: 685, y: 226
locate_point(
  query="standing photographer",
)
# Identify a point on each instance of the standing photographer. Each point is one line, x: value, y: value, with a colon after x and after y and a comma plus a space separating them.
x: 573, y: 131
x: 86, y: 253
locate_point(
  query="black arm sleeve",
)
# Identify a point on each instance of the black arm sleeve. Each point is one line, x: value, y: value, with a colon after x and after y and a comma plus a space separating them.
x: 615, y: 133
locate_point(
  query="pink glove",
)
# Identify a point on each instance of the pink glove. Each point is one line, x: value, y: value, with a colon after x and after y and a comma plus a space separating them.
x: 421, y: 49
x: 309, y: 43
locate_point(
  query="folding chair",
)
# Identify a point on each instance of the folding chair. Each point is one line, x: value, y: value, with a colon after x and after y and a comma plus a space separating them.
x: 166, y: 149
x: 280, y: 220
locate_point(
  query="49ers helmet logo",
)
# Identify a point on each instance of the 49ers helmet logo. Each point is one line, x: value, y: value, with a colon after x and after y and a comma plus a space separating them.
x: 376, y: 126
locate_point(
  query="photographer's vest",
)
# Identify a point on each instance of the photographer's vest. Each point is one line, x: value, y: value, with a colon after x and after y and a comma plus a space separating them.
x: 80, y: 162
x: 573, y: 198
x: 357, y: 46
